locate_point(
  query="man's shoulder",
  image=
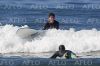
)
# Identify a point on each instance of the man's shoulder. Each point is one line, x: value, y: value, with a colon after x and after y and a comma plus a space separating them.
x: 56, y: 22
x: 68, y: 50
x: 46, y: 23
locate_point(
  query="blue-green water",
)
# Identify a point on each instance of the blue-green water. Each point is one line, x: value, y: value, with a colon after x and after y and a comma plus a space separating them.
x: 34, y: 13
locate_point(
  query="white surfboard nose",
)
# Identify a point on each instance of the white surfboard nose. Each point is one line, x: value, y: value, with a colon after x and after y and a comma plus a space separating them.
x: 26, y: 32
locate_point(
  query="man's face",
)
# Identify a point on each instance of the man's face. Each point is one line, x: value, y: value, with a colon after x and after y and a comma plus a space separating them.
x: 51, y: 19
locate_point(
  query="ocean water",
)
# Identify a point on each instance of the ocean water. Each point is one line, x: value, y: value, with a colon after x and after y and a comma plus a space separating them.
x: 34, y: 13
x: 79, y: 27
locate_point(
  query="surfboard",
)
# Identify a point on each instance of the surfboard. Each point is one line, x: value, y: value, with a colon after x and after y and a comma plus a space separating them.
x: 26, y: 32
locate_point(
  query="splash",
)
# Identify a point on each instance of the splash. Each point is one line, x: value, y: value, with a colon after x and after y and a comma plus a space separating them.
x: 77, y: 41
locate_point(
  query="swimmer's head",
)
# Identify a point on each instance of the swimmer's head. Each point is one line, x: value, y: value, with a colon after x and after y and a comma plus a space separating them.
x: 61, y: 48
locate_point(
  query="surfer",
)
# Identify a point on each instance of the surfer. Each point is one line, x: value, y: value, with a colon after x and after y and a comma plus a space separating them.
x: 52, y: 23
x: 67, y: 54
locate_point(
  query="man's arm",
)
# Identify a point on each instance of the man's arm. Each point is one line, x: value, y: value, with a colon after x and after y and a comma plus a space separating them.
x: 44, y: 28
x: 54, y: 56
x: 57, y: 25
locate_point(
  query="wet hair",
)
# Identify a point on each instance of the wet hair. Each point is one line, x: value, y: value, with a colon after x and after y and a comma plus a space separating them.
x: 61, y: 47
x: 51, y: 14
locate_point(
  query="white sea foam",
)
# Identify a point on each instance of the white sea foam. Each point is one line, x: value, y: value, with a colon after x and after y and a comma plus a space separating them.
x: 77, y: 41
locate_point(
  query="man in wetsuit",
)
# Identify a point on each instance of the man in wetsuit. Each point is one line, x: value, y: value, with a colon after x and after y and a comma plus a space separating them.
x: 52, y: 23
x: 67, y: 54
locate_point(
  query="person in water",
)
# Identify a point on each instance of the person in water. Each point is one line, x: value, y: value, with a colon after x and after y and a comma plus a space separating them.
x: 52, y: 23
x: 67, y: 54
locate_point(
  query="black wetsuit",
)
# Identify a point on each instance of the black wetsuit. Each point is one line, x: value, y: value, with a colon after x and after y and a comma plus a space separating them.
x: 61, y: 53
x: 51, y: 25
